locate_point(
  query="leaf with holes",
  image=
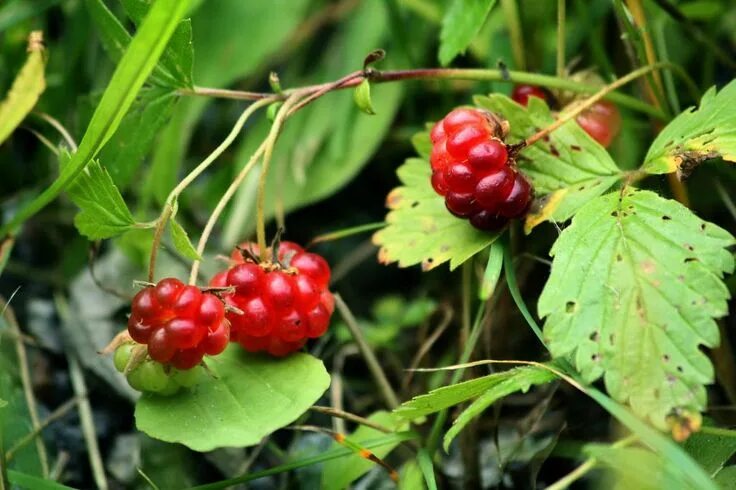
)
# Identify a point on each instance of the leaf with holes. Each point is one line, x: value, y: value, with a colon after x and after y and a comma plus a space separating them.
x: 419, y: 228
x: 635, y: 285
x: 250, y: 397
x: 568, y: 169
x: 696, y: 135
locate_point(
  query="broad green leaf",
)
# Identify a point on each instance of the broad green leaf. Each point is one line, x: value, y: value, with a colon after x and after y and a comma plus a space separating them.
x: 710, y: 450
x: 450, y: 395
x: 492, y: 272
x: 696, y: 135
x: 339, y: 473
x: 131, y: 73
x: 461, y: 23
x: 634, y: 467
x: 251, y: 397
x: 102, y: 210
x: 181, y: 241
x: 520, y: 379
x: 567, y: 170
x: 419, y: 228
x: 635, y: 285
x: 27, y: 87
x: 726, y: 478
x: 124, y: 153
x: 325, y: 145
x: 23, y: 480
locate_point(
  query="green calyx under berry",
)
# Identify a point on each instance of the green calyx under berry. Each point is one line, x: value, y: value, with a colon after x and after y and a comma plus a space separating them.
x: 146, y: 375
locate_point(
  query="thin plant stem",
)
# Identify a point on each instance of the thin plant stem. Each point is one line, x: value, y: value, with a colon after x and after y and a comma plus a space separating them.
x: 508, y: 267
x: 469, y: 74
x: 592, y: 100
x: 718, y: 431
x: 270, y: 141
x: 511, y: 12
x: 342, y: 414
x: 170, y: 205
x: 588, y: 465
x: 60, y: 128
x: 371, y: 360
x: 224, y: 200
x: 561, y: 38
x: 62, y: 410
x: 25, y: 377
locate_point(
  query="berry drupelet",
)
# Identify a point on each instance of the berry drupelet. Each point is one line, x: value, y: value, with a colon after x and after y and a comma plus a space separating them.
x: 472, y: 170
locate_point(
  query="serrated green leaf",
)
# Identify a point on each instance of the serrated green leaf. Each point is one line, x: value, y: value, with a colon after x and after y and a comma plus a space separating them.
x: 492, y: 272
x: 518, y: 379
x: 339, y: 473
x: 567, y: 170
x: 635, y: 285
x: 27, y: 87
x: 181, y: 241
x: 102, y: 210
x: 125, y: 151
x: 419, y: 228
x: 178, y: 58
x: 251, y: 397
x: 461, y: 23
x: 450, y: 395
x: 135, y: 66
x: 696, y: 135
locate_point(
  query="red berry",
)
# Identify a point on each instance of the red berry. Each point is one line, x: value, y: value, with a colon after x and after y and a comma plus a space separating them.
x: 217, y: 339
x: 472, y: 170
x: 517, y: 202
x: 280, y: 304
x: 459, y: 177
x: 488, y: 155
x: 438, y: 182
x: 521, y: 94
x: 460, y: 143
x: 438, y: 132
x: 175, y: 321
x: 488, y: 221
x: 314, y: 266
x: 461, y: 205
x: 460, y: 118
x: 494, y: 188
x: 602, y: 122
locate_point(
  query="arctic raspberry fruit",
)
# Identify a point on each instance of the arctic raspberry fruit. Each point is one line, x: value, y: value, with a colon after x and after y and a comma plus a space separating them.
x: 602, y: 122
x: 178, y: 323
x: 521, y: 94
x: 277, y: 304
x: 472, y: 170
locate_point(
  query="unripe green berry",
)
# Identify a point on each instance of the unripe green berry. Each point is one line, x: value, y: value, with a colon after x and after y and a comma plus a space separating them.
x: 122, y: 356
x: 189, y: 377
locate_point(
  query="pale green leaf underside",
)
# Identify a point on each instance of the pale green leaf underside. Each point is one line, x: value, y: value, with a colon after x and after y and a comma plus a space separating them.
x: 27, y: 87
x: 181, y: 241
x: 102, y: 210
x: 519, y: 379
x: 460, y: 25
x: 450, y: 395
x: 696, y: 135
x: 567, y: 170
x: 420, y: 230
x: 635, y: 285
x: 252, y: 397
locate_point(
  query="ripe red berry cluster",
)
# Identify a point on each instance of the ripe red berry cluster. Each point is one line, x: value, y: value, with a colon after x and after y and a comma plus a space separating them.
x: 279, y: 304
x: 179, y: 323
x: 472, y: 170
x: 602, y: 121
